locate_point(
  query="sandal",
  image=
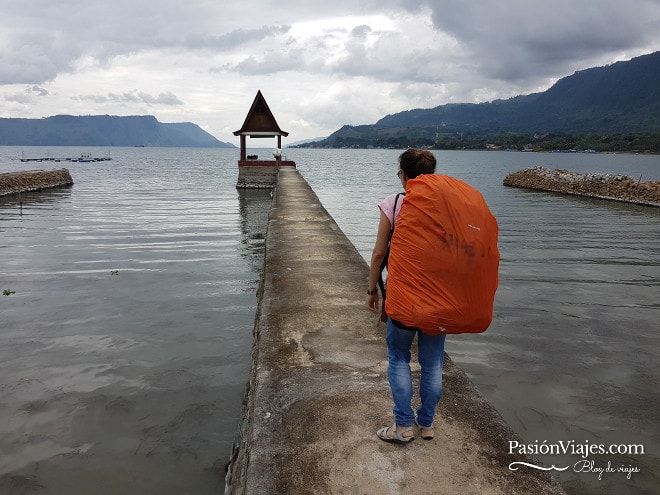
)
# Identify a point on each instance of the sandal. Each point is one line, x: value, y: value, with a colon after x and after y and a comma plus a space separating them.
x: 397, y: 436
x: 426, y: 436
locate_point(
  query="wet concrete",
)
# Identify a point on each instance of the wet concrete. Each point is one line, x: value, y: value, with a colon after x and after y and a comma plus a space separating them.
x: 318, y: 387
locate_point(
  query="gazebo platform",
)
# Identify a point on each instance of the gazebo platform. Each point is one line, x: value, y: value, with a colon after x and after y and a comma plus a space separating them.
x: 260, y: 123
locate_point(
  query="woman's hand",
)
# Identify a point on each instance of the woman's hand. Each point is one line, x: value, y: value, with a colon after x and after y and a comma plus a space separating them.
x: 372, y: 302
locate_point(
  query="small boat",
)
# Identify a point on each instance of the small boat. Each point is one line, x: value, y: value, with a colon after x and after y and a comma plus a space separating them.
x: 85, y: 158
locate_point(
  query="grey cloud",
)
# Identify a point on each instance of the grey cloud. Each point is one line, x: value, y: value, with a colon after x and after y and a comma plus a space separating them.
x: 29, y: 63
x: 37, y: 43
x: 234, y: 38
x: 519, y: 39
x: 26, y: 96
x: 94, y: 98
x: 167, y: 99
x: 22, y: 98
x: 387, y: 56
x: 41, y: 45
x: 361, y: 31
x: 270, y: 63
x: 37, y: 90
x: 357, y: 56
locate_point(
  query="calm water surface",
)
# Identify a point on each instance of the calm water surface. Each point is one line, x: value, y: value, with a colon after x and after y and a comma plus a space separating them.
x: 125, y: 349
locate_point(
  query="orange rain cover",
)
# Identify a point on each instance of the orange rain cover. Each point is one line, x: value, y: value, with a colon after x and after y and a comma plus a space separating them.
x: 442, y: 269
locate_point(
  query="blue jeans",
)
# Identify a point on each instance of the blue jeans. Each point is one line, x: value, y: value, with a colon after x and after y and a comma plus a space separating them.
x: 431, y: 351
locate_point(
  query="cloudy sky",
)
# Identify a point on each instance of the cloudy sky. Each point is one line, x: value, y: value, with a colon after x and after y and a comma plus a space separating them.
x: 319, y: 64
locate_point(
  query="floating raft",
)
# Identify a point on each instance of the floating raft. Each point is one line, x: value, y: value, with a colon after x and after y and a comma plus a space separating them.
x: 33, y: 180
x: 84, y: 157
x: 603, y: 186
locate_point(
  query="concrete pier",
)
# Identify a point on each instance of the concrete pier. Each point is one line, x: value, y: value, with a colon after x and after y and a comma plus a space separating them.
x: 318, y: 387
x: 33, y: 180
x: 260, y: 174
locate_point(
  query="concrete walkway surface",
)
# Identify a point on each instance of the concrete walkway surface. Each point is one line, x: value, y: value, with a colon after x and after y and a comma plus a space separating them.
x: 318, y: 389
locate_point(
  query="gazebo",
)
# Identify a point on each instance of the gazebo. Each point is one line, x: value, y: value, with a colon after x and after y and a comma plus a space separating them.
x: 260, y: 123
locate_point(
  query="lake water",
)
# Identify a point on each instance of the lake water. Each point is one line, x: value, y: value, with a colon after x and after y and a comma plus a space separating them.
x: 124, y: 350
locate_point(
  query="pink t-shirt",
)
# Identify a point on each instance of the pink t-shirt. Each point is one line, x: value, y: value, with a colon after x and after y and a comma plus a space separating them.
x: 387, y: 205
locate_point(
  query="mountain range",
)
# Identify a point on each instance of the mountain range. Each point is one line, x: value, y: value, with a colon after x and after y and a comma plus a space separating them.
x: 623, y: 97
x: 104, y: 130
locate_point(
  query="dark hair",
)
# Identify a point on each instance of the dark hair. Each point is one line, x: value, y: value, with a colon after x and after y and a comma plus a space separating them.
x: 416, y: 162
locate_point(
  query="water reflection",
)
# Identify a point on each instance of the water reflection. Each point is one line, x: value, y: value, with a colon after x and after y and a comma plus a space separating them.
x: 30, y: 203
x: 36, y: 197
x: 253, y: 206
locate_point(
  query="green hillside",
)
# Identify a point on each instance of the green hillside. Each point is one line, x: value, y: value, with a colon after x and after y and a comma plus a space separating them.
x: 611, y: 107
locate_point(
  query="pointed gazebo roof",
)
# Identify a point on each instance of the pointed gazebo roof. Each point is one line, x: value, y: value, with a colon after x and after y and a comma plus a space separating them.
x: 260, y: 121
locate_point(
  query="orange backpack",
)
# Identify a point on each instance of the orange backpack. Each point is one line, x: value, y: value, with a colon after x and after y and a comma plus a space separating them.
x: 442, y: 271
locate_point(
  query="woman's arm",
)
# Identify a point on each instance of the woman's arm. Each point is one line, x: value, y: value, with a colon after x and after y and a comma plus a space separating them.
x: 377, y: 256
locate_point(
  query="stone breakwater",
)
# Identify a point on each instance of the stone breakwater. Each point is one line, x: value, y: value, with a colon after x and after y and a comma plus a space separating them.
x: 603, y: 186
x: 33, y: 180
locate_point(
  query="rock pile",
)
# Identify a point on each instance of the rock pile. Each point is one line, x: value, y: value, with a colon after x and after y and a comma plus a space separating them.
x: 604, y: 186
x: 33, y: 180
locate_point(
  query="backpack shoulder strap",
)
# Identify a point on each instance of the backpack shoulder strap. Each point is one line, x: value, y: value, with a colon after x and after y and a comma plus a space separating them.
x: 383, y: 265
x: 396, y: 202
